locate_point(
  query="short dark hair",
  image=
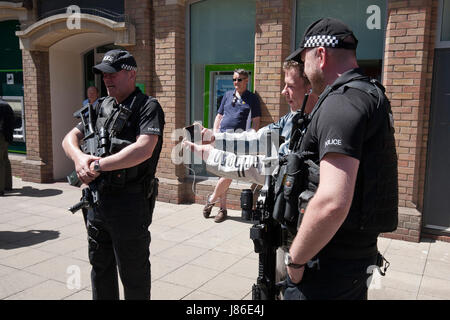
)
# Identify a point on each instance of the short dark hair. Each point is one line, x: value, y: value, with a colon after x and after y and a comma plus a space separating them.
x: 92, y: 87
x: 299, y: 66
x: 242, y: 72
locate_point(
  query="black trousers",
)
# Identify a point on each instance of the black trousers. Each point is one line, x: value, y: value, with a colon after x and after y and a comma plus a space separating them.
x: 119, y: 240
x: 333, y: 279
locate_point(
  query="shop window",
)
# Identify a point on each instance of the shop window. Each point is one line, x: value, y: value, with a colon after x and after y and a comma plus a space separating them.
x: 11, y: 80
x: 367, y: 19
x: 221, y: 38
x: 445, y: 25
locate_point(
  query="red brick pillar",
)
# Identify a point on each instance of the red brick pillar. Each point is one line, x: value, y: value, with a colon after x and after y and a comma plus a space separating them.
x: 140, y: 15
x: 272, y: 46
x: 38, y: 166
x: 407, y: 80
x: 169, y: 83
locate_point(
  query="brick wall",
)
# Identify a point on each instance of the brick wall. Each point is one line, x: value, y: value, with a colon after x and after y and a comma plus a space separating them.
x: 272, y: 46
x: 38, y: 165
x: 169, y: 84
x: 407, y: 75
x: 140, y: 15
x: 161, y: 55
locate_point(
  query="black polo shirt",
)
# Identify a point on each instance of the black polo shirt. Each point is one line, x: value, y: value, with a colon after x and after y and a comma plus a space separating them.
x: 147, y: 117
x: 343, y: 123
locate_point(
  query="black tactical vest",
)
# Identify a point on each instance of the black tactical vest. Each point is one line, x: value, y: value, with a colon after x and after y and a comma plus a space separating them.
x: 375, y: 201
x: 111, y: 120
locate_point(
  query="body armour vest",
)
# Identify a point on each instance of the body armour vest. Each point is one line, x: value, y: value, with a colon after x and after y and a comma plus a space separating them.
x: 374, y: 206
x: 111, y: 125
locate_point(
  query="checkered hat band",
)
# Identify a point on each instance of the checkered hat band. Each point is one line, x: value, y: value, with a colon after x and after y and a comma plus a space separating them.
x: 128, y: 67
x: 321, y: 41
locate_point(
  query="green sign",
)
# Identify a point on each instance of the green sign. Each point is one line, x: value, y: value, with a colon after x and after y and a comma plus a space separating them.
x: 210, y: 71
x: 141, y: 86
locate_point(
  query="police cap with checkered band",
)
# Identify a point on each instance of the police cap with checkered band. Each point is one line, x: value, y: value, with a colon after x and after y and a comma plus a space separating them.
x: 114, y: 61
x: 325, y: 32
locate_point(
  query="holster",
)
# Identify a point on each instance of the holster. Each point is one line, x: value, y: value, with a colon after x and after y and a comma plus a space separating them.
x: 152, y: 188
x: 296, y: 184
x: 312, y: 182
x: 289, y: 183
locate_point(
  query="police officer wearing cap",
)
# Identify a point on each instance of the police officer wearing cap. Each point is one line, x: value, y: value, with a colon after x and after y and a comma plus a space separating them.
x: 350, y: 132
x: 117, y: 225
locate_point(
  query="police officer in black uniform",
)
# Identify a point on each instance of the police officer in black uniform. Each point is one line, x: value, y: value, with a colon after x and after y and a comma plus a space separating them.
x: 350, y: 132
x: 7, y: 124
x: 118, y: 223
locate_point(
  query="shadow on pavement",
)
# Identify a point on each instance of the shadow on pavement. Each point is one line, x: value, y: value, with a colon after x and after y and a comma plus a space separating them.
x: 17, y: 239
x: 239, y: 219
x: 28, y: 191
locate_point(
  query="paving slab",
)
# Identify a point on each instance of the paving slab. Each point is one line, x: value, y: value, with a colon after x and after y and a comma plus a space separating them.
x: 43, y: 253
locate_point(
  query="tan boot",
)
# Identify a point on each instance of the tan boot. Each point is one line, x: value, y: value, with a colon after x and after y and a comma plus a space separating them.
x: 221, y: 215
x: 208, y: 207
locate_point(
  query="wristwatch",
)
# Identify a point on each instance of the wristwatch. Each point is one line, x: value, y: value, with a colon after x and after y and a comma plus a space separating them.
x: 97, y: 166
x: 288, y: 262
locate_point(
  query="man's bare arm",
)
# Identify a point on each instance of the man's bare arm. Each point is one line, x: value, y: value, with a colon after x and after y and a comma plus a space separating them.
x: 131, y: 155
x: 327, y: 210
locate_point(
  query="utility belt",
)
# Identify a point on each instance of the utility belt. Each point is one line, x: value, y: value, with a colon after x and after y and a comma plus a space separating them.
x: 108, y: 185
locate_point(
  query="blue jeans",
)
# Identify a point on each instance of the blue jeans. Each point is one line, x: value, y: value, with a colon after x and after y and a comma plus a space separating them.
x: 332, y: 279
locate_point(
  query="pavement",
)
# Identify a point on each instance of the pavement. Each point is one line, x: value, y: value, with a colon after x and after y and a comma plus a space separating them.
x: 43, y: 253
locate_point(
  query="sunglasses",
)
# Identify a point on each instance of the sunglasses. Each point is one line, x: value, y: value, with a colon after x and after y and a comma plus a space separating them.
x: 237, y: 79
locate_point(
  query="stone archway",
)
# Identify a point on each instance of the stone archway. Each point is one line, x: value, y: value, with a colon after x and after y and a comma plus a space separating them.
x: 46, y: 32
x: 53, y: 83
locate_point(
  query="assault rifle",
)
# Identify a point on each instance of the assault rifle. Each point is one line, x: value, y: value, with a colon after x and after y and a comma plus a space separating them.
x: 94, y: 144
x: 279, y: 208
x: 101, y: 141
x: 266, y: 236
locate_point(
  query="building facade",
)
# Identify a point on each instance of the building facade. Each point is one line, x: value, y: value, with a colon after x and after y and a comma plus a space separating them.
x: 186, y: 51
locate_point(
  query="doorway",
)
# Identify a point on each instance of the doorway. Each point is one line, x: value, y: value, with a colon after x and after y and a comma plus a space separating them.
x: 67, y: 90
x: 91, y: 58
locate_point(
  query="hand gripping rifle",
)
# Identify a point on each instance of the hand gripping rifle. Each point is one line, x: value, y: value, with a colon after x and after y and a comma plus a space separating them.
x: 94, y: 143
x: 100, y: 141
x: 266, y: 236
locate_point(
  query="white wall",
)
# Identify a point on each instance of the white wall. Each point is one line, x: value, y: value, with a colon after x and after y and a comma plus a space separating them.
x: 66, y: 90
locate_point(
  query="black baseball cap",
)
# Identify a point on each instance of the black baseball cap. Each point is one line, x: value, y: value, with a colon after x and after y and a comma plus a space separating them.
x: 114, y: 61
x: 325, y: 32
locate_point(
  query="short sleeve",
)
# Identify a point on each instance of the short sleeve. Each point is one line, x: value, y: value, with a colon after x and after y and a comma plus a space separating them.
x: 222, y: 104
x: 340, y: 127
x: 151, y: 119
x: 256, y: 107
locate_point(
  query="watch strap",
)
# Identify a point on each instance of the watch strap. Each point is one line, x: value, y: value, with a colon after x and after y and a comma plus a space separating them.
x: 296, y: 265
x: 288, y: 262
